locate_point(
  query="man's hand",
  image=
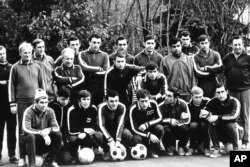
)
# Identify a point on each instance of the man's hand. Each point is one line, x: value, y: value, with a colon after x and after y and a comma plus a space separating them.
x: 45, y: 131
x: 154, y: 138
x: 3, y: 82
x: 174, y: 122
x: 142, y: 127
x: 47, y: 140
x: 82, y: 135
x: 184, y: 115
x: 74, y: 78
x: 13, y: 109
x: 203, y: 113
x: 212, y: 118
x: 89, y: 131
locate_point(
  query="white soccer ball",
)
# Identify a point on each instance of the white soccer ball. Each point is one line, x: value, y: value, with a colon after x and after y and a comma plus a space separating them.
x: 86, y: 155
x: 119, y: 153
x: 139, y: 151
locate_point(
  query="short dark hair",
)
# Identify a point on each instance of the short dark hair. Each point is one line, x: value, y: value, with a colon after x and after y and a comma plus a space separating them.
x: 72, y: 38
x: 174, y: 41
x: 185, y: 33
x: 37, y: 41
x: 120, y: 54
x: 94, y: 36
x: 83, y: 94
x: 142, y: 93
x: 219, y: 85
x: 120, y: 38
x: 175, y: 91
x: 151, y: 66
x: 63, y: 92
x: 202, y: 38
x: 149, y: 37
x: 237, y: 37
x: 111, y: 93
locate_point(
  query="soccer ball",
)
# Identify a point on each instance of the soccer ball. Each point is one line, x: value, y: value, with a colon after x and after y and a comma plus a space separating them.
x: 139, y: 151
x: 86, y: 155
x: 119, y: 153
x: 39, y: 160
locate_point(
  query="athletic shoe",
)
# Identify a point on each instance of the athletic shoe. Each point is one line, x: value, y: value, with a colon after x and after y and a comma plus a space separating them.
x: 106, y: 156
x: 22, y: 163
x: 13, y: 160
x: 215, y: 154
x: 181, y: 152
x: 243, y: 147
x: 170, y: 151
x: 201, y: 149
x: 54, y: 164
x: 189, y: 152
x: 226, y: 149
x: 161, y: 147
x: 154, y: 154
x: 1, y: 163
x: 207, y: 152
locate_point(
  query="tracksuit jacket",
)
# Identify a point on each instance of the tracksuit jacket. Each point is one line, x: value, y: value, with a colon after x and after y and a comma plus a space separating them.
x: 142, y: 59
x: 228, y: 111
x: 237, y: 71
x: 4, y: 76
x: 111, y: 122
x: 170, y: 111
x: 24, y: 80
x: 80, y: 118
x: 34, y: 121
x: 150, y: 117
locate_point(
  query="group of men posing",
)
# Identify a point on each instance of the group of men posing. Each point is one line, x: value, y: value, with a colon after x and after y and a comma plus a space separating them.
x: 92, y: 99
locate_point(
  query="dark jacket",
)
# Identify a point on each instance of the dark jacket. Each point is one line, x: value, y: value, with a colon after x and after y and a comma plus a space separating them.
x: 195, y: 110
x: 4, y: 76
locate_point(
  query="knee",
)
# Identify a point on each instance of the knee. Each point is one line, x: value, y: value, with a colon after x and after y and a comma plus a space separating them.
x: 98, y: 135
x: 127, y: 134
x: 57, y: 136
x: 194, y: 126
x: 30, y: 137
x: 159, y: 130
x: 137, y: 139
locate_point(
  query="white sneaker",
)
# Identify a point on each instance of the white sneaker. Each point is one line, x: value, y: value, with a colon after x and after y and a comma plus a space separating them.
x: 54, y: 164
x: 22, y: 163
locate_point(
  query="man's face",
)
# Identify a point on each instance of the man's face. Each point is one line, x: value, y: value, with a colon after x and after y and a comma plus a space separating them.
x: 40, y: 49
x: 63, y: 101
x: 169, y: 98
x: 122, y: 45
x: 95, y: 44
x: 144, y: 103
x: 204, y: 45
x: 120, y: 62
x: 85, y: 102
x: 42, y: 105
x: 185, y: 41
x: 75, y: 45
x: 238, y: 46
x: 68, y: 59
x: 197, y: 98
x: 113, y: 102
x: 176, y: 48
x: 26, y: 54
x: 2, y: 55
x: 150, y: 45
x: 152, y: 74
x: 221, y: 93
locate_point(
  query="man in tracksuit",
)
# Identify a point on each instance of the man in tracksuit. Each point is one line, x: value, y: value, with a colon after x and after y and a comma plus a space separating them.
x: 119, y: 76
x: 176, y: 117
x: 60, y: 105
x: 69, y: 74
x: 47, y: 66
x: 5, y: 115
x: 25, y: 78
x: 111, y: 116
x: 179, y: 70
x: 94, y: 64
x: 222, y: 112
x: 145, y: 118
x: 42, y: 133
x: 207, y: 63
x: 155, y: 82
x: 82, y: 123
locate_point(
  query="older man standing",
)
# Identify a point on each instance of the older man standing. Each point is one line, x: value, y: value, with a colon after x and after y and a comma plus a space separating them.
x: 237, y: 73
x: 25, y: 78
